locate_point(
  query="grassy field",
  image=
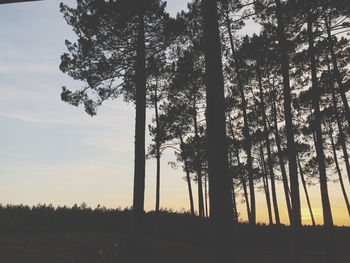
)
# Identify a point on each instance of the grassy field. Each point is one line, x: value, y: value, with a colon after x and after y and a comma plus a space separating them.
x: 86, y: 247
x: 82, y: 235
x: 93, y: 247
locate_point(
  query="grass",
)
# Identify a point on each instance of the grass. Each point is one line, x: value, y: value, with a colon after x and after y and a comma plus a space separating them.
x: 80, y: 234
x: 90, y: 247
x: 95, y: 247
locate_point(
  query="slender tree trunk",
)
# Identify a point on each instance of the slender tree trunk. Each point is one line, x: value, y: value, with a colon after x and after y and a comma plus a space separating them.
x: 245, y: 190
x: 291, y: 148
x: 281, y: 160
x: 234, y: 204
x: 340, y: 129
x: 266, y: 185
x: 158, y: 182
x: 330, y: 132
x: 326, y: 207
x: 221, y: 223
x: 234, y: 211
x: 206, y: 196
x: 342, y: 141
x: 188, y: 177
x: 243, y: 181
x: 306, y: 192
x: 249, y: 160
x: 268, y: 148
x: 140, y: 127
x: 198, y: 165
x: 313, y: 130
x: 157, y: 147
x: 248, y: 146
x: 336, y: 71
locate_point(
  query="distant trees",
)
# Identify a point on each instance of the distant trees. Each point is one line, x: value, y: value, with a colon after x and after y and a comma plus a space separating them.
x: 181, y: 112
x: 176, y: 118
x: 158, y: 72
x: 188, y: 88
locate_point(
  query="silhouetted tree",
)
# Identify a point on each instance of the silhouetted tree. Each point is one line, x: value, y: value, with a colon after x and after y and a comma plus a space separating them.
x: 115, y: 39
x: 158, y: 79
x: 316, y: 93
x: 219, y: 180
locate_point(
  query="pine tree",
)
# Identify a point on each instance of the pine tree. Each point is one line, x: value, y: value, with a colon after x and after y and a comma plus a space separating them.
x: 115, y: 39
x: 219, y: 181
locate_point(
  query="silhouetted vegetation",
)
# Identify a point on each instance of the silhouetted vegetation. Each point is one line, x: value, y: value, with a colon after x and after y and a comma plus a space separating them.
x: 44, y: 233
x: 267, y: 99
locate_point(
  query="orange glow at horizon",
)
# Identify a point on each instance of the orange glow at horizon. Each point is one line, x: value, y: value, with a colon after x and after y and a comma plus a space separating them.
x: 339, y: 212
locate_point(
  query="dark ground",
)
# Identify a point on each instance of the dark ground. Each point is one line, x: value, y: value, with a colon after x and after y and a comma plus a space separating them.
x: 81, y: 235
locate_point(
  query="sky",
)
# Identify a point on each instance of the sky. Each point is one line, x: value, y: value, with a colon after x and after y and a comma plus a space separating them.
x: 54, y: 153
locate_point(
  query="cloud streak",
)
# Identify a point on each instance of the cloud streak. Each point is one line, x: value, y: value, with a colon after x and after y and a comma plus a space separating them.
x: 33, y: 120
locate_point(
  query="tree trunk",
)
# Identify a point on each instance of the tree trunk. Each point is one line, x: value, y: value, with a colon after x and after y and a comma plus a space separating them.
x: 157, y: 147
x: 245, y: 192
x: 326, y: 207
x: 313, y: 130
x: 291, y: 149
x: 306, y: 192
x: 198, y: 165
x: 234, y: 204
x: 249, y: 161
x: 188, y: 177
x: 330, y: 132
x: 268, y: 148
x: 206, y: 195
x: 221, y: 224
x: 266, y: 185
x: 246, y: 133
x: 140, y: 127
x: 340, y: 129
x: 280, y: 158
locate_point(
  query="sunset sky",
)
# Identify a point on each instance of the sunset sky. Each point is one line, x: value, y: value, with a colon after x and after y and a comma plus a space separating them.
x: 51, y: 152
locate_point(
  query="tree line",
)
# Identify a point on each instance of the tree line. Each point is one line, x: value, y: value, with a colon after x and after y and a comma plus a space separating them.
x: 242, y: 112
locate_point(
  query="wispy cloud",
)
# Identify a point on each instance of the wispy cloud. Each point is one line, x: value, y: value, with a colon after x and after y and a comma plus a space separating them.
x: 33, y: 120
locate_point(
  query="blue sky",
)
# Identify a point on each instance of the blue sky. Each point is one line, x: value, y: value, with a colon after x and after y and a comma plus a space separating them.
x: 51, y: 152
